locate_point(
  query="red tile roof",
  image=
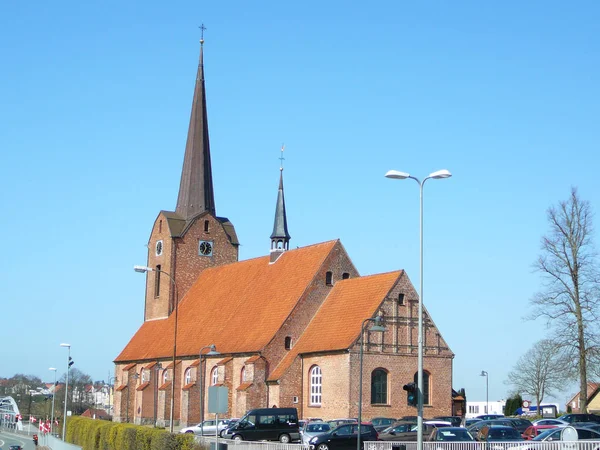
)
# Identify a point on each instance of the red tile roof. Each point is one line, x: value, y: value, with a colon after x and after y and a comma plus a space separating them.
x: 141, y: 387
x: 188, y: 386
x: 129, y: 366
x: 228, y: 290
x: 122, y: 387
x: 252, y: 359
x: 336, y: 326
x: 224, y: 361
x: 244, y: 386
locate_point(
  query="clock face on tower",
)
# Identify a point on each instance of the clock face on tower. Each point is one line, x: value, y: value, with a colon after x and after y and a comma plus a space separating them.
x: 205, y: 248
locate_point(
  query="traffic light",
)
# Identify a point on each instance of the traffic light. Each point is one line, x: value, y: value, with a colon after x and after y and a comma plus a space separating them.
x: 411, y: 393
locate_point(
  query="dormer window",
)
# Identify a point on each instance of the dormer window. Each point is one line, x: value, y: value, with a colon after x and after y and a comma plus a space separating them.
x: 288, y: 342
x: 329, y: 278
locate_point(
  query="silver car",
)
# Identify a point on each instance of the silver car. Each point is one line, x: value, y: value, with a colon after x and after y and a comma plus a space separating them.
x: 312, y: 429
x: 208, y: 428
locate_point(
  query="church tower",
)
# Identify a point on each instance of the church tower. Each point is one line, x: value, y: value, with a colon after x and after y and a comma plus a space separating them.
x: 280, y: 237
x: 185, y: 242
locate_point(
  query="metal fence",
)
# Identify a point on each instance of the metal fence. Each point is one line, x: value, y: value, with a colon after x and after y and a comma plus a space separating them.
x: 518, y: 445
x: 224, y: 444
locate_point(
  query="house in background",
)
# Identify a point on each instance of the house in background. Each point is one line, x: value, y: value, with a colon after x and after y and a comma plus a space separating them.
x: 593, y: 400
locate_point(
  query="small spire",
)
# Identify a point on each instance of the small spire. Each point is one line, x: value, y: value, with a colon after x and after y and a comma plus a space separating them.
x: 280, y: 238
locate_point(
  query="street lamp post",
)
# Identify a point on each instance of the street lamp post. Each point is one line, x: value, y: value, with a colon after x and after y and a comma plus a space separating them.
x: 212, y: 351
x: 53, y: 395
x: 64, y: 429
x: 440, y: 174
x: 377, y: 327
x: 144, y: 269
x: 487, y: 404
x: 110, y: 391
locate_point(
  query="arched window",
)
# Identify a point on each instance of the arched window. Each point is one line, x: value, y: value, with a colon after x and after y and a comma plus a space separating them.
x: 316, y: 379
x: 145, y: 375
x: 425, y: 386
x: 188, y: 375
x: 214, y: 376
x: 379, y: 387
x: 165, y: 376
x: 288, y: 342
x: 243, y: 375
x: 329, y: 278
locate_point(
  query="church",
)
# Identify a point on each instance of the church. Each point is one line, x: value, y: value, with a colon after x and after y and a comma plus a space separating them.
x: 292, y: 328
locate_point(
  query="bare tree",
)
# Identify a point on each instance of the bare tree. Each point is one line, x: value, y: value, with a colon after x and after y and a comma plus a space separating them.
x: 539, y: 372
x: 569, y: 297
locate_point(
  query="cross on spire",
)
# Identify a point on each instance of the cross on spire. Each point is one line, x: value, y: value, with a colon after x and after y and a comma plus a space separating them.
x: 281, y: 158
x: 202, y: 28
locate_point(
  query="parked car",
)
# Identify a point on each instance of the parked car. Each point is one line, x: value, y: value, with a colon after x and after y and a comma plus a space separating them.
x: 500, y: 435
x: 381, y: 423
x: 336, y: 422
x: 490, y: 416
x: 450, y: 434
x: 535, y: 430
x: 477, y: 426
x: 208, y: 428
x: 454, y: 420
x: 555, y: 434
x: 519, y: 423
x: 555, y: 422
x: 343, y: 437
x: 437, y: 423
x: 404, y: 431
x: 570, y: 418
x: 466, y: 423
x: 413, y: 419
x: 266, y: 424
x: 312, y: 429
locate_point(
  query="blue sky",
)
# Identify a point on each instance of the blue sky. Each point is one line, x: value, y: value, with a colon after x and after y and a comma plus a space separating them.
x: 95, y: 108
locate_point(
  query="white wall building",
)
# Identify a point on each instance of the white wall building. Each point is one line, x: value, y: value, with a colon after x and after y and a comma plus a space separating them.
x: 474, y: 409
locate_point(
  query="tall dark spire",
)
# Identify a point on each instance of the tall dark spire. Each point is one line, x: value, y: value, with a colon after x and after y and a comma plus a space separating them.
x: 196, y: 193
x: 280, y: 237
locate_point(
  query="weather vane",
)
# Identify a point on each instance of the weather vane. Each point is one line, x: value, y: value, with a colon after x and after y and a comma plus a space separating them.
x: 281, y: 158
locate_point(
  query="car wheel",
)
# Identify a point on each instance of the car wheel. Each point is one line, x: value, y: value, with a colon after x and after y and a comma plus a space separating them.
x: 188, y: 431
x: 322, y: 447
x: 284, y: 439
x: 237, y: 438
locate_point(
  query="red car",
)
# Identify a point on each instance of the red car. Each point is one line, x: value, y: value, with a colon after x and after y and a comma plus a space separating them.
x: 534, y: 430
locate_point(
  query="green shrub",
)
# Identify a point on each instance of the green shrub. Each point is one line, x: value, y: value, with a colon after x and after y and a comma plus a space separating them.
x: 94, y: 434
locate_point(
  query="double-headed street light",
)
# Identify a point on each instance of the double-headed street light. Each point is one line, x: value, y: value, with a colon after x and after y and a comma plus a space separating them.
x: 440, y: 174
x: 212, y: 351
x: 69, y: 362
x: 144, y: 269
x: 53, y: 395
x: 376, y: 327
x: 487, y: 404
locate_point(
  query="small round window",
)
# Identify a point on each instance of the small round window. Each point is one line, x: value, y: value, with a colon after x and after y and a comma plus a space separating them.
x: 159, y: 248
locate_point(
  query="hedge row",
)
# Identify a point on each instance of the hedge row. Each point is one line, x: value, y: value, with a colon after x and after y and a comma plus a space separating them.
x: 96, y: 434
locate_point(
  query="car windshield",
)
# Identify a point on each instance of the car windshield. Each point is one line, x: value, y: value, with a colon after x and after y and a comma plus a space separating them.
x: 317, y: 427
x: 545, y: 434
x: 455, y: 434
x: 503, y: 434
